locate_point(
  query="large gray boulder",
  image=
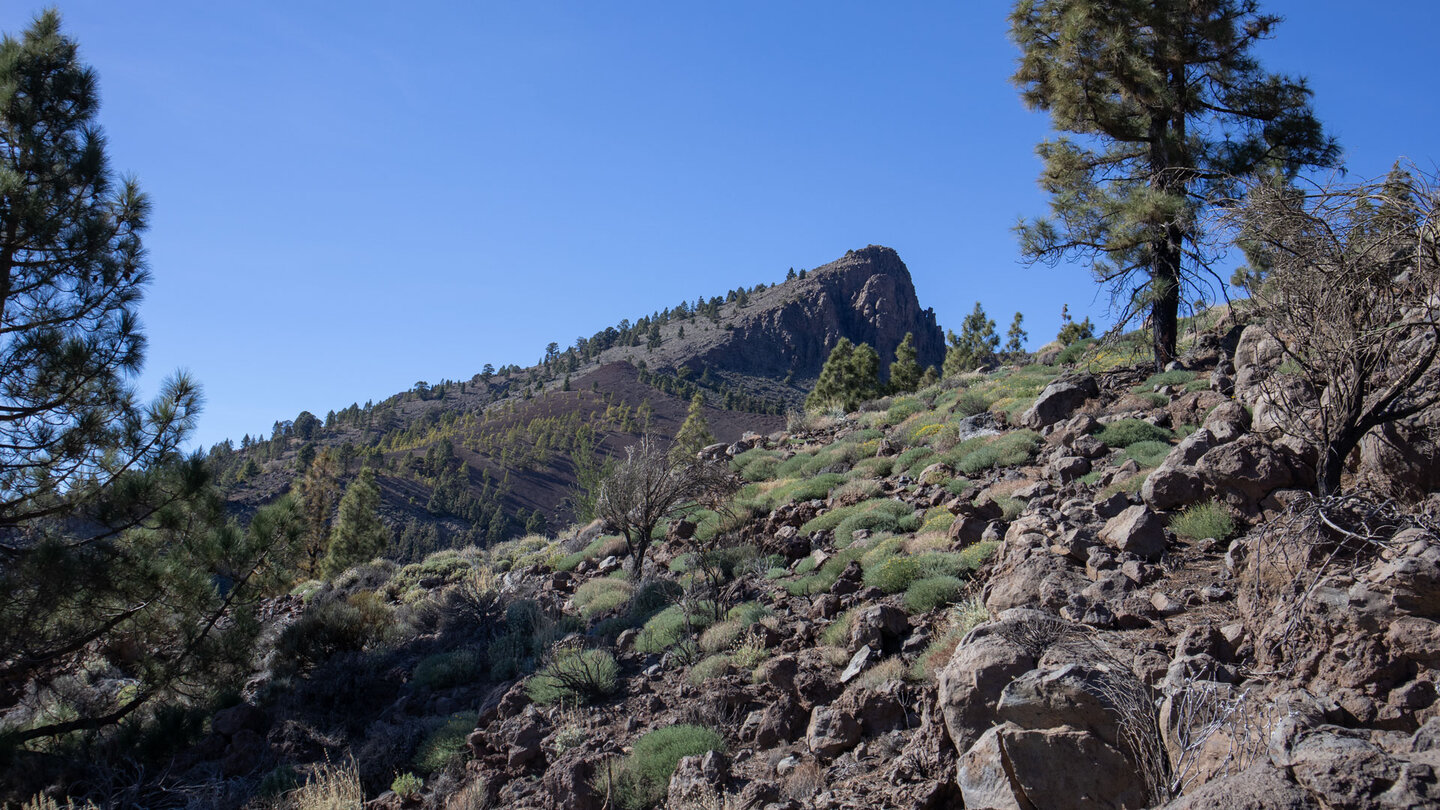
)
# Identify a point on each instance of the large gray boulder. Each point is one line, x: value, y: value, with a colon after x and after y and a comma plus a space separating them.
x: 1013, y: 768
x: 1059, y: 400
x: 1136, y: 530
x: 971, y: 683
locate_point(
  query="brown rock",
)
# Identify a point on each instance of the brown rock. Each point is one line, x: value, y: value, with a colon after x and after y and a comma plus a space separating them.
x: 1259, y: 787
x: 1058, y: 400
x: 1138, y: 531
x: 970, y: 684
x: 1070, y: 769
x: 831, y: 731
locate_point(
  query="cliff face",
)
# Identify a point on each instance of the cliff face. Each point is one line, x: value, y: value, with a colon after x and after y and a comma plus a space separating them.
x: 866, y: 296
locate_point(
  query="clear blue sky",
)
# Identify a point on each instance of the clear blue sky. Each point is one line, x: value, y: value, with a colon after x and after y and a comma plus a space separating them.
x: 347, y: 202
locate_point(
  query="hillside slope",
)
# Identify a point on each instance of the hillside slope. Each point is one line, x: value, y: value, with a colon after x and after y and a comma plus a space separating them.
x: 489, y: 458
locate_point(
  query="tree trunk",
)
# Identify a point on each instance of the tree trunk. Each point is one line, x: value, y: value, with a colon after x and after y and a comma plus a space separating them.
x: 1165, y: 309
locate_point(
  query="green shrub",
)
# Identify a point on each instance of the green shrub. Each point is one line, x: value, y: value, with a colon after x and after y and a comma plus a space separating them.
x: 837, y: 632
x: 903, y: 409
x: 445, y: 742
x: 602, y: 595
x: 444, y: 670
x: 642, y: 778
x: 926, y: 594
x: 897, y: 573
x: 914, y: 460
x: 959, y: 486
x: 1126, y: 432
x: 832, y: 519
x: 407, y: 785
x: 508, y: 656
x: 330, y: 625
x: 1071, y: 354
x: 1148, y: 453
x: 975, y: 555
x: 1009, y: 450
x: 875, y: 467
x: 1201, y: 520
x: 810, y: 585
x: 653, y: 596
x: 574, y: 677
x: 878, y: 551
x: 797, y: 491
x: 709, y: 667
x: 972, y: 402
x: 938, y: 523
x: 670, y: 625
x: 1201, y: 384
x: 1176, y: 377
x: 747, y: 613
x: 720, y: 636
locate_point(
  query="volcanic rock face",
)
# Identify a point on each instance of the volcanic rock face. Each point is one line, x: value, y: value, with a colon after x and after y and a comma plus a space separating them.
x: 866, y: 296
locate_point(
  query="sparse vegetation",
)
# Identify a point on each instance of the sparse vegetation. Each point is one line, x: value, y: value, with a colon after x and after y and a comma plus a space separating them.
x: 1201, y: 520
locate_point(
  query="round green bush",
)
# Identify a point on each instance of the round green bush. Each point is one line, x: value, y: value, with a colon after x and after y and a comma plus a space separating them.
x: 926, y: 594
x: 1126, y: 432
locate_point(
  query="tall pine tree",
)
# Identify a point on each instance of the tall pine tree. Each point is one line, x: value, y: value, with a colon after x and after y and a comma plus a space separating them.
x: 694, y: 435
x: 1170, y: 105
x: 905, y: 371
x: 359, y: 534
x: 974, y: 346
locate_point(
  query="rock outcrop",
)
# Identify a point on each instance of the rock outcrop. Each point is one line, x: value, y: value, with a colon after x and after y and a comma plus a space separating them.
x: 866, y: 296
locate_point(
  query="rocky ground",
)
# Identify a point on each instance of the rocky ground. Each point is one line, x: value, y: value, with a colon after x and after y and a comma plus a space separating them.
x: 1031, y: 588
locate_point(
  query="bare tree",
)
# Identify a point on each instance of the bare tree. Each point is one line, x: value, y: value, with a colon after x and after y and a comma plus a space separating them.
x: 1351, y: 295
x: 649, y: 487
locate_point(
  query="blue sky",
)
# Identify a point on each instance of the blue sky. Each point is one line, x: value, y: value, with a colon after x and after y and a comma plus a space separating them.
x: 346, y: 203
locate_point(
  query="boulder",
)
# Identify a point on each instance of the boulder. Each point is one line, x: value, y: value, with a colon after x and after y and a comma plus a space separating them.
x: 1067, y: 468
x: 570, y: 783
x: 1059, y: 400
x: 971, y: 683
x: 1403, y: 457
x: 698, y: 780
x: 1066, y: 769
x: 1247, y: 468
x: 1138, y: 531
x: 832, y: 731
x: 879, y: 627
x: 1348, y: 770
x: 1261, y: 786
x: 1068, y: 696
x: 779, y: 723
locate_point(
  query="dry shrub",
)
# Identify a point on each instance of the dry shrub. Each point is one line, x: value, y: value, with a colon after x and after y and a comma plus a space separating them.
x: 1292, y: 557
x: 330, y: 787
x: 803, y: 782
x: 473, y: 796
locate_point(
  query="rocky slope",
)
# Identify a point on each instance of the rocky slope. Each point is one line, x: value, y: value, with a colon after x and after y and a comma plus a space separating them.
x: 1014, y: 590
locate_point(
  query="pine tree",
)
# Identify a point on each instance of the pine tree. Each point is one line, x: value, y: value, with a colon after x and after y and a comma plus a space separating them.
x: 694, y: 435
x: 359, y: 534
x: 974, y: 346
x: 318, y: 491
x: 1170, y: 105
x: 1070, y: 330
x: 1016, y: 337
x: 851, y: 375
x: 905, y: 371
x: 109, y: 538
